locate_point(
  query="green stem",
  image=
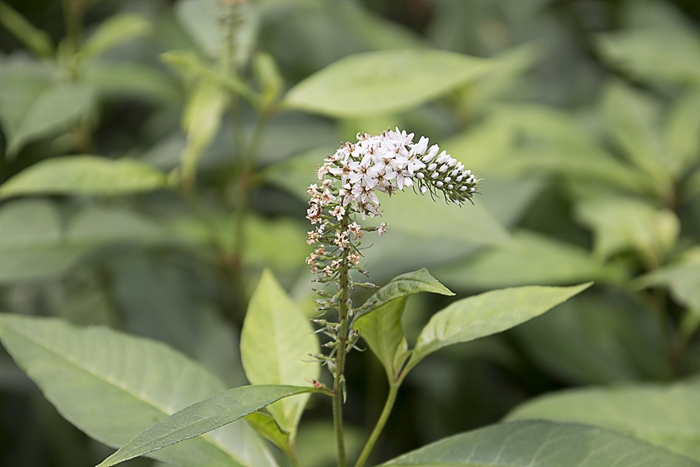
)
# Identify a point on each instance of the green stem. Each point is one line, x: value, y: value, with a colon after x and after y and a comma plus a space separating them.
x: 339, y: 377
x: 388, y: 406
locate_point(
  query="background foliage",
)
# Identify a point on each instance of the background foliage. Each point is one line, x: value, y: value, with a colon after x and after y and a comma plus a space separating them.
x: 581, y: 116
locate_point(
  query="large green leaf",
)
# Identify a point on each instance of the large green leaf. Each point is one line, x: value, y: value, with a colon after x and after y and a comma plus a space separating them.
x: 383, y: 82
x: 276, y: 341
x: 21, y: 82
x: 85, y: 175
x: 529, y: 259
x: 127, y: 79
x: 486, y: 314
x: 380, y: 325
x: 622, y: 223
x: 202, y: 417
x: 113, y: 386
x: 541, y: 444
x: 54, y: 110
x: 665, y: 415
x: 681, y: 131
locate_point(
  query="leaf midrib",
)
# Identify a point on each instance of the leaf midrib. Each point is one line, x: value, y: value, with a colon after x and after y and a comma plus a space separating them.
x: 148, y: 401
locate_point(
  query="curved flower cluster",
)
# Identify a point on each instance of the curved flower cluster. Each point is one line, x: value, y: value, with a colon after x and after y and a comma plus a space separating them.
x: 348, y: 184
x: 351, y: 178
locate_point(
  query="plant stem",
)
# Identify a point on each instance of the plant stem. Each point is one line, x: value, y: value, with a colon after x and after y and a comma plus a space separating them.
x: 388, y: 406
x: 339, y: 379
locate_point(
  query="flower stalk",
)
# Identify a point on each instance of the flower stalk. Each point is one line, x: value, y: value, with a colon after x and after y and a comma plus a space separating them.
x: 348, y: 184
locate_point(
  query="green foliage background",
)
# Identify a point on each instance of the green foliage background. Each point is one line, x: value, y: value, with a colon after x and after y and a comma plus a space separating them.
x: 581, y: 116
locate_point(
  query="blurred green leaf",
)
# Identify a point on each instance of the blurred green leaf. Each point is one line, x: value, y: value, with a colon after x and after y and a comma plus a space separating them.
x: 633, y: 120
x: 21, y: 81
x: 112, y: 386
x: 113, y: 31
x: 622, y: 223
x: 380, y: 325
x: 201, y: 120
x: 542, y: 444
x: 316, y: 443
x: 681, y: 277
x: 276, y: 341
x: 34, y: 38
x: 205, y: 21
x: 657, y: 55
x: 268, y: 77
x: 202, y: 417
x: 86, y: 175
x: 682, y: 132
x: 124, y: 79
x: 530, y: 259
x: 32, y: 243
x: 486, y: 314
x: 54, y: 110
x: 36, y: 242
x: 664, y: 415
x: 603, y: 337
x: 382, y: 82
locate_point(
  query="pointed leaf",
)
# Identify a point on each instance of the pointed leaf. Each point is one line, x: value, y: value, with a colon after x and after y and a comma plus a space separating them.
x: 116, y: 29
x: 541, y: 444
x: 201, y: 418
x: 486, y: 314
x: 53, y: 110
x: 276, y: 341
x: 665, y: 415
x: 682, y: 278
x: 383, y: 82
x: 84, y: 175
x: 113, y: 386
x: 34, y: 38
x: 405, y: 285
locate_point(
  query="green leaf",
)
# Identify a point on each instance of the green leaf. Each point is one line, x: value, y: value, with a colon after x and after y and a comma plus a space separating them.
x: 663, y: 55
x: 116, y: 29
x: 268, y: 428
x: 383, y: 332
x: 113, y: 386
x: 664, y: 415
x: 276, y: 341
x: 201, y: 418
x: 681, y: 131
x: 21, y: 81
x: 201, y: 121
x: 405, y: 285
x: 541, y: 444
x: 603, y: 337
x: 53, y: 110
x: 632, y: 119
x: 383, y: 82
x: 84, y: 175
x: 621, y: 223
x: 34, y: 38
x: 486, y: 314
x: 380, y: 324
x: 530, y: 259
x: 681, y: 277
x: 124, y: 79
